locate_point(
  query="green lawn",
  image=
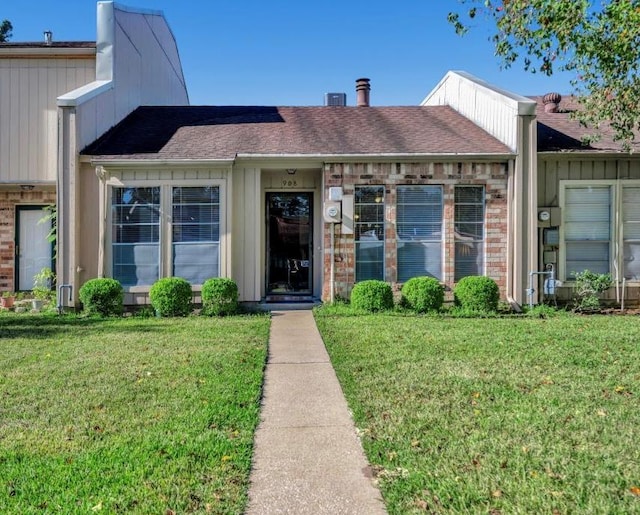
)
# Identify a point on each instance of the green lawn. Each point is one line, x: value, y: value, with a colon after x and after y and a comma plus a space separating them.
x: 511, y: 415
x: 128, y: 415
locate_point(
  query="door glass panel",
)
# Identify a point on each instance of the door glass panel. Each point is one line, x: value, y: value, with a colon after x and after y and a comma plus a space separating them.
x: 289, y: 243
x: 34, y: 251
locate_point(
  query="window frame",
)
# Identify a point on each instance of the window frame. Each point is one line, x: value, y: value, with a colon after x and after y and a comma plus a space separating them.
x: 482, y: 241
x: 440, y: 241
x: 616, y: 241
x: 165, y: 266
x: 357, y: 241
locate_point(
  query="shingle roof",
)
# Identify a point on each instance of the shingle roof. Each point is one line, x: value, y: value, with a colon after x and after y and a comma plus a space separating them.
x: 223, y: 132
x: 561, y: 132
x: 53, y: 44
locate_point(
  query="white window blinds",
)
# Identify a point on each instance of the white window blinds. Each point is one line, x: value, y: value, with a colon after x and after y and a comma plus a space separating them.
x: 587, y: 229
x: 469, y: 231
x: 369, y: 232
x: 419, y: 231
x: 631, y: 232
x: 196, y: 233
x: 135, y: 233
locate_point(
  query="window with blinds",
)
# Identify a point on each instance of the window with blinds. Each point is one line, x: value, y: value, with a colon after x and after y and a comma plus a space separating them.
x: 468, y: 231
x: 135, y: 233
x: 631, y: 232
x: 196, y: 233
x: 369, y: 232
x: 419, y: 231
x: 587, y: 229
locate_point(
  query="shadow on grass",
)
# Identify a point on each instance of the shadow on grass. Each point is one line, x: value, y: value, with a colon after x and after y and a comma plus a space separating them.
x: 44, y: 326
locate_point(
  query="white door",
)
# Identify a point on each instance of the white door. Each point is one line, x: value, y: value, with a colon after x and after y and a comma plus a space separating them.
x: 34, y: 251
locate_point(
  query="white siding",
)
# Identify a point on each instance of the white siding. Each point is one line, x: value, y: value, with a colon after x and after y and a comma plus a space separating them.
x: 28, y: 113
x: 494, y: 110
x: 146, y: 71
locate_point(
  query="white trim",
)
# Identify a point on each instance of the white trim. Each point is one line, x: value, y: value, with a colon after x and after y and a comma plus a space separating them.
x: 84, y: 93
x: 562, y: 250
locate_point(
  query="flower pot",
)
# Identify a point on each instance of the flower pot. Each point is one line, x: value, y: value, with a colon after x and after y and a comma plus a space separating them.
x: 37, y: 304
x: 7, y: 302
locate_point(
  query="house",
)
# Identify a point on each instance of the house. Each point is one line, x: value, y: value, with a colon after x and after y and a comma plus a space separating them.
x: 55, y: 98
x: 588, y: 201
x: 299, y: 203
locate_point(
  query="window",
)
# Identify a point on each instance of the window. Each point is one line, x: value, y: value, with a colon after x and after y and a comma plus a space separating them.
x: 135, y: 235
x: 165, y: 230
x: 369, y: 232
x: 587, y: 228
x: 469, y: 231
x: 419, y: 231
x: 196, y: 233
x: 631, y: 232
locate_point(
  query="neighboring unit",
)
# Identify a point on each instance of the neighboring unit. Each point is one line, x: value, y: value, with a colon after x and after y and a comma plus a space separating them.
x: 55, y: 98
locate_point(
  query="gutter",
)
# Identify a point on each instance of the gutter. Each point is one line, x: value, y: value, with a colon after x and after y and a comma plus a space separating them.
x: 383, y: 155
x: 141, y: 163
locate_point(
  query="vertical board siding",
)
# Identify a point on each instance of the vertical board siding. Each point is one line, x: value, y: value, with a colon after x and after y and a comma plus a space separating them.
x: 553, y: 170
x: 28, y: 124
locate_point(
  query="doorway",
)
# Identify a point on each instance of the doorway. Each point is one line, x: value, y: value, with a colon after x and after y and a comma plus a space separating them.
x: 289, y: 243
x: 33, y: 249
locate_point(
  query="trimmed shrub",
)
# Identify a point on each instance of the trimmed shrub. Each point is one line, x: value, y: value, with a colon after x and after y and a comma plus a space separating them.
x: 477, y: 293
x: 219, y: 297
x: 423, y: 294
x: 171, y: 296
x: 372, y: 295
x: 102, y: 296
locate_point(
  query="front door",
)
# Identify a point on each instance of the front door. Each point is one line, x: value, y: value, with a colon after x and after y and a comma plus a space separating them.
x: 33, y: 249
x: 289, y: 243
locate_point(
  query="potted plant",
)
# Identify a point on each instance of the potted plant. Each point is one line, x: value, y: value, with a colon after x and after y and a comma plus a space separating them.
x: 7, y: 299
x: 42, y: 283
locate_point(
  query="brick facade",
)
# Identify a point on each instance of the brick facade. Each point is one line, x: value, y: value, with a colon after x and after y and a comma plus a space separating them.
x: 493, y: 176
x: 8, y: 202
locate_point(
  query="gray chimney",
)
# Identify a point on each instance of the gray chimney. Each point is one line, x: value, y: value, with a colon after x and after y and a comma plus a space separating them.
x: 48, y: 37
x: 362, y: 92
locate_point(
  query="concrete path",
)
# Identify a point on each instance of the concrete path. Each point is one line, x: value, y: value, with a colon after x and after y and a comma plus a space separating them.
x: 307, y: 457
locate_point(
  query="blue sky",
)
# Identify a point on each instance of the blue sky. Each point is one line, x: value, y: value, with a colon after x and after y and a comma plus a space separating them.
x: 291, y: 52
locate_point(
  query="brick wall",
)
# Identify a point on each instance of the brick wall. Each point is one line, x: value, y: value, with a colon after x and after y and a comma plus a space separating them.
x: 493, y: 176
x: 8, y: 202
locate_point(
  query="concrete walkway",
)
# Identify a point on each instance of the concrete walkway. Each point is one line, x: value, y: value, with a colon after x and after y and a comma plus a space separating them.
x: 307, y: 457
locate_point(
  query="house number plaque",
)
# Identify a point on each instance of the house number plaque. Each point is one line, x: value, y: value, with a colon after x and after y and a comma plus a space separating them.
x: 289, y: 183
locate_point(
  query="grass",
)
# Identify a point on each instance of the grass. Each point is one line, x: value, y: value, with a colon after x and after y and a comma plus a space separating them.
x: 495, y: 415
x: 128, y: 415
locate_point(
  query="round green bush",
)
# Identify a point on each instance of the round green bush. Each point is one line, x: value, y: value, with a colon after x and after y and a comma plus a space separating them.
x: 423, y: 294
x: 102, y: 296
x: 219, y: 297
x: 372, y: 295
x: 171, y: 296
x: 477, y: 293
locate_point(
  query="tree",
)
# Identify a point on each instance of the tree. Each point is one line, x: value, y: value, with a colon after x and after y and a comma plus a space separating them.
x: 5, y: 31
x: 599, y: 41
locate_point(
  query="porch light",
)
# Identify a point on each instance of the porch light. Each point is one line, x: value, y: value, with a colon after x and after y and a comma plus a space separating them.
x: 291, y: 171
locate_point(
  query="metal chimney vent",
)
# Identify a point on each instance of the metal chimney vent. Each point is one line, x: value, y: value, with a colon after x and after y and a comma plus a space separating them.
x: 335, y: 99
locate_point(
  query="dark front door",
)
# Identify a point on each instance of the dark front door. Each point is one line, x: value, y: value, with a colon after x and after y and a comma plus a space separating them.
x: 289, y: 243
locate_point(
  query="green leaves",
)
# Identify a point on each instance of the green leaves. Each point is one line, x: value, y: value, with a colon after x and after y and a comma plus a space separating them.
x: 599, y: 41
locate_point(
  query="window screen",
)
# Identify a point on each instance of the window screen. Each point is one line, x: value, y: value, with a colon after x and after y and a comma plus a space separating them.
x: 587, y: 229
x: 631, y: 232
x: 419, y: 231
x: 469, y: 231
x: 196, y: 233
x: 369, y: 232
x: 135, y: 233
